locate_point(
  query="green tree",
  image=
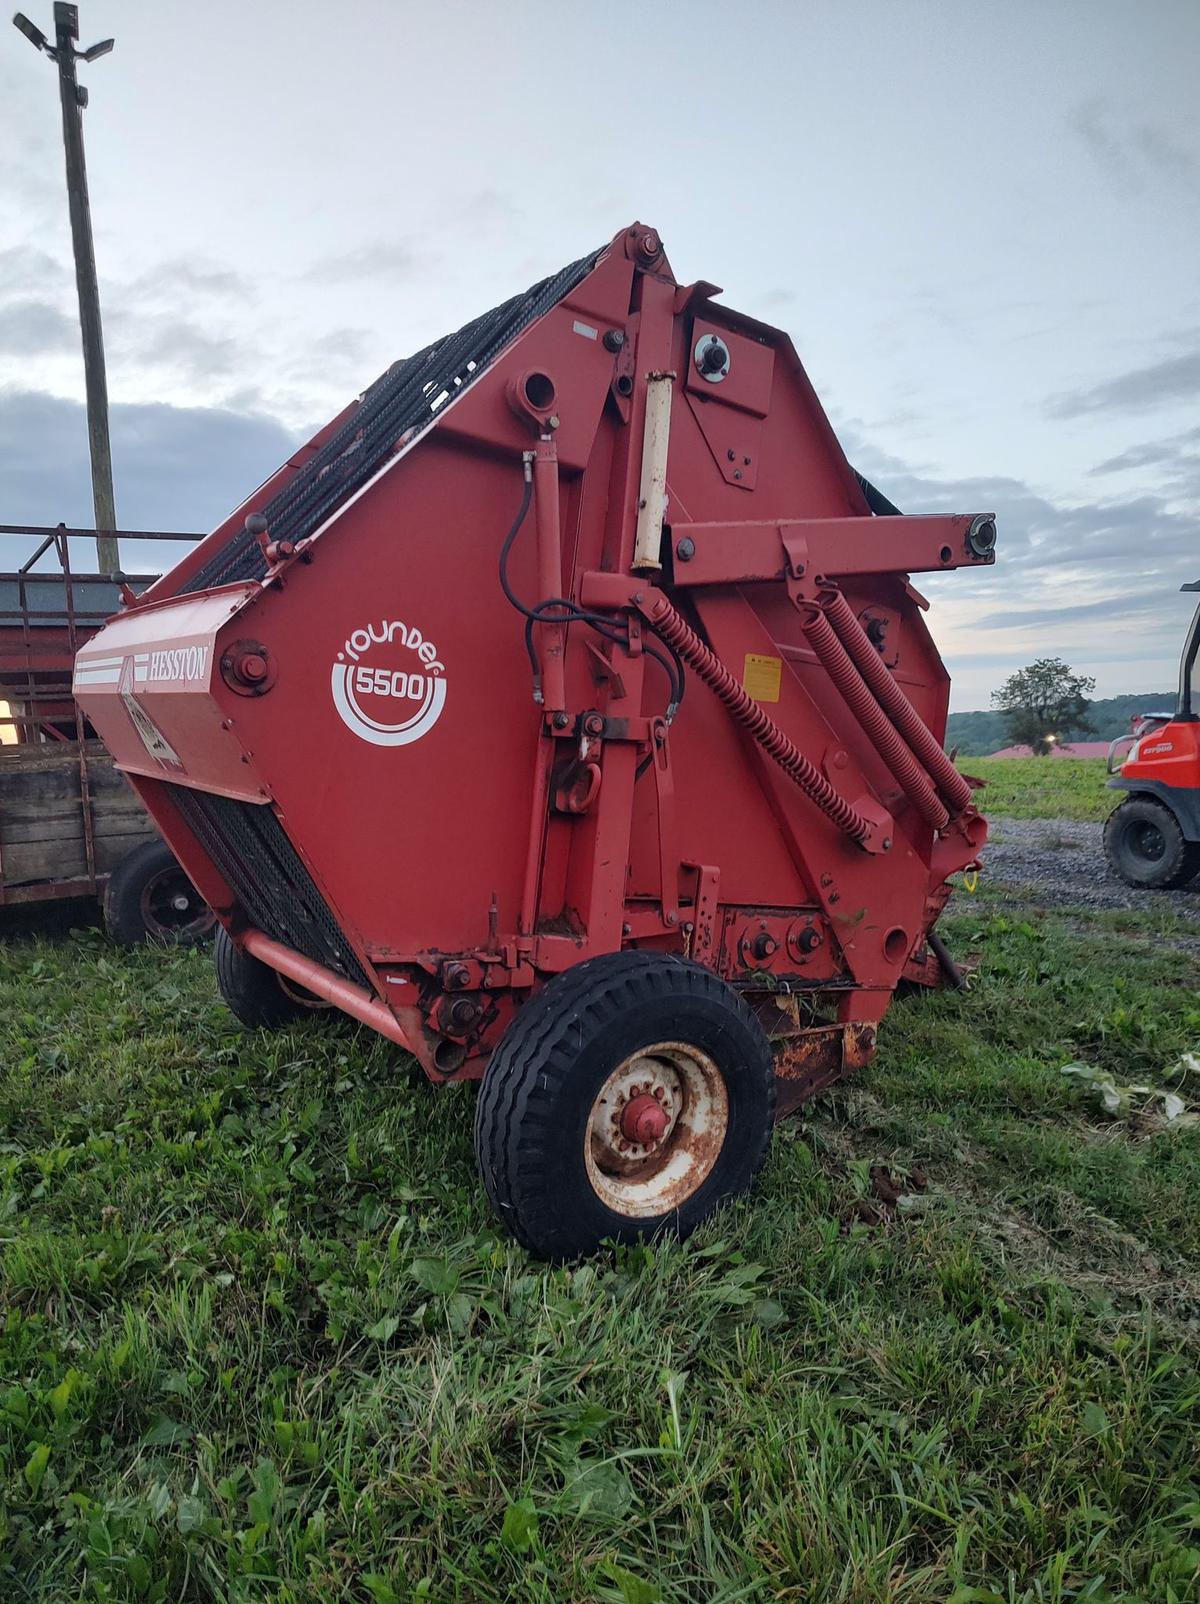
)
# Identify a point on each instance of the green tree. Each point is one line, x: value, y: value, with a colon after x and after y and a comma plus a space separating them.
x: 1044, y: 705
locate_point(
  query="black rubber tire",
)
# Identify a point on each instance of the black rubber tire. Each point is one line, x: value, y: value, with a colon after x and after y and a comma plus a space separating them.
x: 1146, y: 848
x: 128, y: 913
x: 538, y: 1090
x: 254, y: 992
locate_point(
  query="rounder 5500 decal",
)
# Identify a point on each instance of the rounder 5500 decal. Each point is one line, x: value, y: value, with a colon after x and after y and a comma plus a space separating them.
x: 388, y: 686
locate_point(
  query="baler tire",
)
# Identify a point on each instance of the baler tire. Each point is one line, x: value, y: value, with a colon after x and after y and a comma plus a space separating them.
x: 1130, y: 828
x: 534, y: 1119
x: 257, y: 995
x: 148, y: 897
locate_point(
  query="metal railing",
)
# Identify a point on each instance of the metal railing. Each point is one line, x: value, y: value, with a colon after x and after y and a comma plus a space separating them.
x: 36, y: 674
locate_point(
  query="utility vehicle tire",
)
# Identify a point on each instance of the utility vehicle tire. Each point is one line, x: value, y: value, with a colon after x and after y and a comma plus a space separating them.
x: 633, y: 1094
x: 259, y: 996
x: 149, y: 898
x: 1146, y: 847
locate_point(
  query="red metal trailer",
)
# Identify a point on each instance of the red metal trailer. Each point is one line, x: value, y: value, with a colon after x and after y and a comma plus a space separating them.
x: 414, y: 718
x: 70, y: 826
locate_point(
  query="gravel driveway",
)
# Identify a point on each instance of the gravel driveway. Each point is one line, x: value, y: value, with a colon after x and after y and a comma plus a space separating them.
x: 1061, y: 863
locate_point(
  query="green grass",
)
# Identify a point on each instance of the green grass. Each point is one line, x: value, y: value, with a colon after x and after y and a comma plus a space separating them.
x: 262, y: 1340
x: 1043, y: 787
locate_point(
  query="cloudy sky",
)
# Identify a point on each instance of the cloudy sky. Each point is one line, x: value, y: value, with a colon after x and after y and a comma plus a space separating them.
x: 980, y: 223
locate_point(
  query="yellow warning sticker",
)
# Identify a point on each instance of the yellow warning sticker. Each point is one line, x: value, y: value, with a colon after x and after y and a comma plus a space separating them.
x: 761, y: 676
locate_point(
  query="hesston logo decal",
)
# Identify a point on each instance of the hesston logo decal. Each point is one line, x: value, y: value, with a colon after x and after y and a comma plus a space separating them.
x: 185, y: 663
x: 385, y: 695
x: 151, y: 737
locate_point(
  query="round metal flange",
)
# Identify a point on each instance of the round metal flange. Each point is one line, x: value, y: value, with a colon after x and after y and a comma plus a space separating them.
x: 172, y: 909
x: 711, y: 357
x: 981, y: 536
x: 656, y: 1129
x: 248, y: 668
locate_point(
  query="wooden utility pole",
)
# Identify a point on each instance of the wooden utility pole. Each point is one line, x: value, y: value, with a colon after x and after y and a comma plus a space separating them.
x: 74, y: 98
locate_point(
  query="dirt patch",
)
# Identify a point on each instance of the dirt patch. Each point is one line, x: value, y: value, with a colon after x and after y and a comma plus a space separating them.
x: 1060, y: 863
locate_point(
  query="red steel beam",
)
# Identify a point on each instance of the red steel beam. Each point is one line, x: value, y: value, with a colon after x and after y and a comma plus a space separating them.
x: 323, y: 983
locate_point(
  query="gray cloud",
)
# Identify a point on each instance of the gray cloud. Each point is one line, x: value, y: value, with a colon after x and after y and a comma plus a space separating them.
x: 176, y: 467
x: 1152, y: 454
x: 376, y: 259
x: 1175, y: 461
x: 1116, y: 558
x: 1175, y: 378
x: 180, y: 278
x: 25, y: 270
x: 1132, y: 152
x: 31, y: 328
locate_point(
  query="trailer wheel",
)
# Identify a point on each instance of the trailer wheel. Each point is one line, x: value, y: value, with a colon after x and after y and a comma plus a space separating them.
x: 1146, y: 847
x: 149, y: 898
x: 257, y: 995
x: 633, y: 1094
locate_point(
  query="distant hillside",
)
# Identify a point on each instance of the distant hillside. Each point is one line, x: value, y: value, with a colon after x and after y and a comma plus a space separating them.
x: 977, y: 734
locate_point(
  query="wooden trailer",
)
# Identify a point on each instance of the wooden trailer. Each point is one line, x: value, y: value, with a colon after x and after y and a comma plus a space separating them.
x: 70, y: 825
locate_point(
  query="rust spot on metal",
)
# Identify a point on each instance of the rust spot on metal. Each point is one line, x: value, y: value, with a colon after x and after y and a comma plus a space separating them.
x: 816, y: 1056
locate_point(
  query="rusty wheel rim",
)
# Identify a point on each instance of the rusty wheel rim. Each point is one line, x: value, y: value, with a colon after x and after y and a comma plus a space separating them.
x: 656, y: 1129
x: 172, y: 909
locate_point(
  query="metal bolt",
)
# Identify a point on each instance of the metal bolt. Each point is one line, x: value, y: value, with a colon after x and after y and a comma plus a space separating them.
x: 561, y: 720
x: 626, y: 930
x: 614, y: 339
x: 456, y: 976
x: 672, y: 918
x: 746, y: 460
x: 887, y: 843
x: 732, y: 455
x: 463, y: 1012
x: 253, y: 667
x: 594, y: 724
x: 686, y: 549
x: 737, y: 473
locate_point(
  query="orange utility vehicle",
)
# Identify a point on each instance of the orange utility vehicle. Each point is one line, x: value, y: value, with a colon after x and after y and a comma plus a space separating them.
x: 1152, y: 840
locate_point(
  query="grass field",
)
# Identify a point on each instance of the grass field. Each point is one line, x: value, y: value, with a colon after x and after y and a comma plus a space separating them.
x: 262, y: 1340
x: 1043, y: 787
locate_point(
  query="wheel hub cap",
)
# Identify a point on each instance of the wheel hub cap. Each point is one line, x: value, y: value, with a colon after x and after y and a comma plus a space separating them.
x: 645, y: 1120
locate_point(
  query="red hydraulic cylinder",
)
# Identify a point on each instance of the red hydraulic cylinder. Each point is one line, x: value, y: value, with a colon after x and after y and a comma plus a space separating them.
x: 550, y: 576
x: 894, y: 702
x: 858, y: 698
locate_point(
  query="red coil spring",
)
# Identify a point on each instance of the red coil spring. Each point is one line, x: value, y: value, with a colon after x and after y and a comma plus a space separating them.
x: 882, y: 732
x: 750, y: 715
x: 894, y: 702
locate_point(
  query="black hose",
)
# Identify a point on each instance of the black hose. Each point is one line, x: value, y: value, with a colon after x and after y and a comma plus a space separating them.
x: 562, y: 610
